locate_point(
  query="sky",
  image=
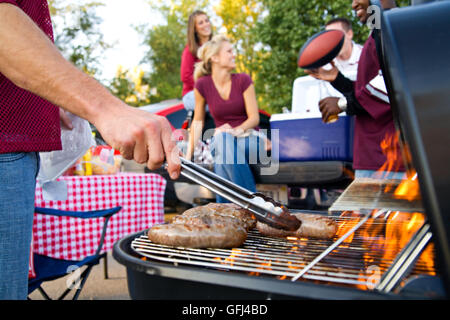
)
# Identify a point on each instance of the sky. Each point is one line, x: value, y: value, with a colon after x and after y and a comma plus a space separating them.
x: 118, y: 19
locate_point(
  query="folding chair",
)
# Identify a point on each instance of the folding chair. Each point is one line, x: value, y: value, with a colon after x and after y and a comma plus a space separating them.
x: 48, y: 269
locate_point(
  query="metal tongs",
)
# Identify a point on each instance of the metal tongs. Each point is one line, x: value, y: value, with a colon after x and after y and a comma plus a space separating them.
x: 268, y: 211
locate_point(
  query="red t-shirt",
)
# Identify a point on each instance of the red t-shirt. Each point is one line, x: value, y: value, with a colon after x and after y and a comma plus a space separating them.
x: 231, y: 111
x: 372, y: 127
x: 27, y: 122
x: 188, y: 62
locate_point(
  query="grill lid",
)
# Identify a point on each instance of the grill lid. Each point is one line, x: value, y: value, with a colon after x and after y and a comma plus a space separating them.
x: 415, y: 44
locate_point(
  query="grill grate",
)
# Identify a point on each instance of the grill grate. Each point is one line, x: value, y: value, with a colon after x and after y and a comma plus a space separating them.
x: 355, y: 264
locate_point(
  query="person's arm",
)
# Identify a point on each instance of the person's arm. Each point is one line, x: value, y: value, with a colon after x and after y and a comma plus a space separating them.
x: 342, y: 83
x: 346, y: 87
x: 31, y: 61
x: 251, y: 108
x: 333, y: 76
x: 187, y: 68
x: 328, y: 106
x: 196, y: 129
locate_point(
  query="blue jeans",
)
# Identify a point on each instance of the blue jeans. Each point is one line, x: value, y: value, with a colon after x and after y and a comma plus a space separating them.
x: 379, y: 174
x: 232, y: 157
x: 189, y: 101
x: 18, y: 173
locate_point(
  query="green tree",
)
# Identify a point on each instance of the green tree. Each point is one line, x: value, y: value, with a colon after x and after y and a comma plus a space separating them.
x: 165, y: 46
x: 77, y: 34
x: 166, y: 43
x: 130, y: 86
x: 239, y: 18
x: 283, y: 31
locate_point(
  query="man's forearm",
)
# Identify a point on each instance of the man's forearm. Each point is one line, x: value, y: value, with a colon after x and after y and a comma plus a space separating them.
x: 346, y: 87
x: 30, y: 60
x: 342, y: 84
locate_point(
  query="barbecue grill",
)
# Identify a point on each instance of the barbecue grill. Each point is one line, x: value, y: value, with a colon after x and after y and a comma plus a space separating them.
x: 264, y: 267
x: 361, y: 261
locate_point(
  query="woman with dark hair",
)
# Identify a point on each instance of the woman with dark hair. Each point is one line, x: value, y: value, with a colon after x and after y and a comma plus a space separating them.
x: 198, y: 32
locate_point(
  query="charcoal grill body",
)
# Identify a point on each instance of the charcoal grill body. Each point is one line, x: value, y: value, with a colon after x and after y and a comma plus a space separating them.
x: 155, y: 280
x: 159, y: 280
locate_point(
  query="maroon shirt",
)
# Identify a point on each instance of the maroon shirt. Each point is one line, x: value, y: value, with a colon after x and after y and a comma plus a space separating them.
x: 28, y: 122
x: 231, y: 111
x: 372, y: 127
x: 188, y: 61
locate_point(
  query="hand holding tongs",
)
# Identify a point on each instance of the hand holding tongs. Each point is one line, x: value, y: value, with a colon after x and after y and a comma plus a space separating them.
x: 275, y: 215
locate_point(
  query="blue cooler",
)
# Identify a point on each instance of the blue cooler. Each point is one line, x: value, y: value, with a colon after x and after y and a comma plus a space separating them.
x: 303, y: 138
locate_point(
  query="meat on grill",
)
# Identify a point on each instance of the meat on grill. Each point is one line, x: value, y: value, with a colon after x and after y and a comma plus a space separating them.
x: 198, y: 236
x: 210, y: 226
x: 225, y: 209
x: 312, y: 226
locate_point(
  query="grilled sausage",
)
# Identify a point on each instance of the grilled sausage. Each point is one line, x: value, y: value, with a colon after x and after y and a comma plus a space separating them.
x: 203, y: 227
x: 198, y: 236
x: 312, y: 226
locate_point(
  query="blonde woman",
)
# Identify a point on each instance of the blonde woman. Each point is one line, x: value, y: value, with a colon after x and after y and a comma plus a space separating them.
x: 232, y: 103
x: 199, y: 31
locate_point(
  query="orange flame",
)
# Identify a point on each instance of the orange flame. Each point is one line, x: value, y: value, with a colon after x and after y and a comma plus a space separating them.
x: 388, y: 238
x: 262, y: 266
x: 346, y: 225
x: 230, y: 259
x: 390, y: 148
x: 349, y: 173
x: 408, y: 189
x: 290, y: 266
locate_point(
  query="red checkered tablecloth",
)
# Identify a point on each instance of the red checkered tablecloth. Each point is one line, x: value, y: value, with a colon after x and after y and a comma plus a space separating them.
x: 141, y: 197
